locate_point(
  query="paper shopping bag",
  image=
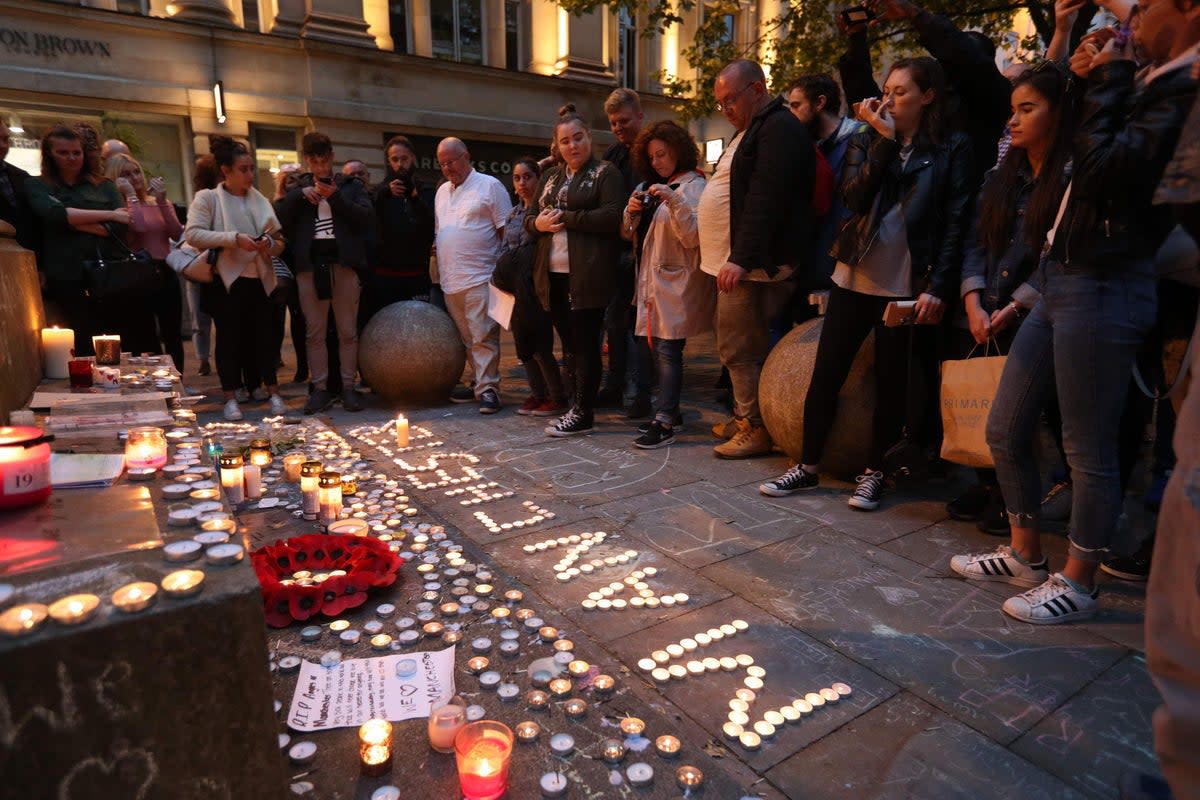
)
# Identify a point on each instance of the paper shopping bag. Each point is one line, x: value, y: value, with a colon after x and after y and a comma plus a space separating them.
x: 968, y: 389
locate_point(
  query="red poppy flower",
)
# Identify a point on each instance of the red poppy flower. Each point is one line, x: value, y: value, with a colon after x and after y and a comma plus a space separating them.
x: 304, y: 601
x: 277, y: 604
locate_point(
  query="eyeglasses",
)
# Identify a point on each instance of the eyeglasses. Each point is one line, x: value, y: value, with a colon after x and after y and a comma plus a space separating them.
x: 451, y: 162
x: 733, y: 98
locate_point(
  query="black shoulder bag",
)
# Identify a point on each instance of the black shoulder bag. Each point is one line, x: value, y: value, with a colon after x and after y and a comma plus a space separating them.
x: 905, y: 463
x: 132, y: 274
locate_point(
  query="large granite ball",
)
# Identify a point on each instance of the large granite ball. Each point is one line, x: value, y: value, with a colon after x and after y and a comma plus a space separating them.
x: 411, y: 352
x: 784, y: 385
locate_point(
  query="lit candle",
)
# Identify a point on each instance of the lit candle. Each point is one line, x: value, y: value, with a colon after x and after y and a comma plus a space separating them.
x: 260, y: 452
x: 22, y: 620
x: 310, y: 472
x: 689, y: 777
x: 252, y: 478
x: 57, y: 346
x: 146, y: 448
x: 667, y: 746
x: 232, y: 477
x: 444, y: 724
x: 483, y: 750
x: 183, y: 583
x: 24, y: 466
x: 375, y: 747
x: 291, y: 467
x: 108, y: 349
x: 329, y: 488
x: 74, y: 609
x: 401, y: 431
x: 134, y: 597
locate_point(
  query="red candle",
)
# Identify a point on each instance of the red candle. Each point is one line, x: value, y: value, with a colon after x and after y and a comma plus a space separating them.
x: 483, y: 750
x: 24, y: 466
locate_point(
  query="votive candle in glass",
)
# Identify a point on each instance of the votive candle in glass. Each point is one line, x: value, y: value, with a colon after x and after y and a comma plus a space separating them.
x: 329, y: 487
x: 291, y: 467
x: 108, y: 349
x: 145, y: 448
x: 483, y: 750
x: 260, y: 452
x: 310, y: 472
x: 375, y: 747
x: 233, y: 477
x: 444, y: 724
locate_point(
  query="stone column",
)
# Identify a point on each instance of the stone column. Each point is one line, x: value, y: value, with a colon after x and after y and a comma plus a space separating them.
x: 494, y: 54
x: 339, y: 21
x: 289, y: 18
x: 546, y: 52
x: 207, y: 12
x: 421, y: 22
x: 589, y: 55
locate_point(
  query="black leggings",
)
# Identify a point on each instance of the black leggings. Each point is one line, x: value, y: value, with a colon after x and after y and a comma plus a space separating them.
x: 245, y: 320
x: 581, y: 331
x: 167, y: 306
x: 848, y: 320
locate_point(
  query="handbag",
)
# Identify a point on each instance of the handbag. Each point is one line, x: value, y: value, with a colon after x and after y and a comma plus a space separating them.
x: 130, y: 275
x: 968, y: 390
x: 190, y: 264
x: 905, y: 462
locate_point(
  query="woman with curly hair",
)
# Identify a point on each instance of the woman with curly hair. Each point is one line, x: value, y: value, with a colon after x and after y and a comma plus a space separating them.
x: 674, y: 298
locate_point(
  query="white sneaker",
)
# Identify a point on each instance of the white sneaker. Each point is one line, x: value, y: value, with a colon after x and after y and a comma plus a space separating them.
x: 1055, y: 601
x: 259, y: 394
x: 1002, y: 564
x: 278, y: 408
x: 232, y: 412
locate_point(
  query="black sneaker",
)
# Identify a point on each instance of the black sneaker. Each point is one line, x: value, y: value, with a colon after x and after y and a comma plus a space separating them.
x: 572, y: 423
x: 994, y: 519
x: 970, y: 504
x: 639, y: 407
x: 676, y: 424
x: 318, y: 400
x: 1128, y: 568
x: 793, y: 480
x: 352, y: 400
x: 462, y: 394
x: 659, y: 435
x: 870, y: 489
x: 489, y: 402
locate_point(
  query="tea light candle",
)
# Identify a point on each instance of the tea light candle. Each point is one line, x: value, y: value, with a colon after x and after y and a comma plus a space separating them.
x: 640, y: 774
x: 632, y: 726
x: 232, y: 480
x: 381, y: 641
x: 842, y: 689
x: 560, y: 687
x: 302, y: 753
x: 74, y: 609
x: 186, y: 550
x: 183, y: 583
x: 578, y: 668
x: 220, y: 555
x: 668, y: 746
x: 575, y: 707
x: 58, y: 345
x: 216, y: 531
x: 508, y: 692
x: 145, y: 448
x: 750, y: 740
x: 689, y: 777
x: 134, y: 597
x: 603, y: 684
x: 528, y: 731
x: 489, y: 680
x: 477, y: 664
x: 291, y: 467
x: 401, y: 431
x: 829, y: 695
x: 310, y: 472
x: 562, y: 744
x: 537, y: 700
x: 310, y: 633
x: 483, y: 750
x: 174, y: 491
x: 329, y: 497
x: 444, y: 724
x: 375, y: 747
x: 612, y: 750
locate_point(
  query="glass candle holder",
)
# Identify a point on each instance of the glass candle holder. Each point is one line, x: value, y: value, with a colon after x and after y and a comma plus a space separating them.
x: 483, y: 750
x: 375, y: 747
x: 329, y: 486
x: 79, y: 372
x: 310, y: 472
x: 24, y: 466
x: 349, y: 485
x: 108, y: 349
x: 444, y: 724
x: 291, y: 467
x: 146, y: 448
x: 260, y: 453
x: 232, y: 477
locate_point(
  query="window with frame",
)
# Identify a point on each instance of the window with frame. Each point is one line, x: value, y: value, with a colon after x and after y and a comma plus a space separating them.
x: 627, y: 41
x: 457, y: 27
x: 398, y: 24
x: 250, y: 19
x: 514, y: 36
x: 728, y: 22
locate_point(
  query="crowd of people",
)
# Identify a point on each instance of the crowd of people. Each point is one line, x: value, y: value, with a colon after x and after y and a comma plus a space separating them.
x: 1027, y: 212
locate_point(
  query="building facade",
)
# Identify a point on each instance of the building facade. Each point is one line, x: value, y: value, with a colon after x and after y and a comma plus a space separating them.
x: 163, y: 75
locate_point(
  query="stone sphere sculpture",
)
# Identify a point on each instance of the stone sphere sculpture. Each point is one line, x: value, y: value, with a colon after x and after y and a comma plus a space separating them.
x: 784, y: 385
x: 411, y: 352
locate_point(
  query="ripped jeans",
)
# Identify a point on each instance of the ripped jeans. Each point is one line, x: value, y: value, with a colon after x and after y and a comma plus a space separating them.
x: 1081, y: 338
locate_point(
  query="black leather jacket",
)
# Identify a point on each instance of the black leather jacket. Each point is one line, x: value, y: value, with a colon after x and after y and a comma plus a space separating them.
x: 935, y: 191
x: 1123, y: 143
x: 353, y: 221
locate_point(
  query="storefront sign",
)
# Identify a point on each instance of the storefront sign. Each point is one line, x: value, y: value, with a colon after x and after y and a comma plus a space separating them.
x: 47, y: 45
x: 490, y: 158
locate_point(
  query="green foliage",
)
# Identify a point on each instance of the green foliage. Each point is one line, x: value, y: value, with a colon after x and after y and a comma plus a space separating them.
x: 113, y: 127
x: 804, y: 38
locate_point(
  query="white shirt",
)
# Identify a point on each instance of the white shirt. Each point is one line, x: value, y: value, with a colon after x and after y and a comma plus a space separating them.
x: 468, y: 219
x: 713, y: 213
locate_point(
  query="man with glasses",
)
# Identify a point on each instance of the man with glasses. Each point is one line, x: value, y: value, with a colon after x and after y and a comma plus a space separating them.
x: 471, y: 209
x: 755, y: 229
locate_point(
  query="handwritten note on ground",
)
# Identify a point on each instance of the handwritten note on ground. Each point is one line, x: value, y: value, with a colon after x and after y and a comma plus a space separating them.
x: 371, y: 688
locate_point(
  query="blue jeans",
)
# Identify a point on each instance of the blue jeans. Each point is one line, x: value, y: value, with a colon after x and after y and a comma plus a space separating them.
x: 668, y: 358
x: 1081, y: 339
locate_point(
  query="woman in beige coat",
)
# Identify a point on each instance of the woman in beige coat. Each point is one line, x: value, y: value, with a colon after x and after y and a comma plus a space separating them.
x: 674, y: 298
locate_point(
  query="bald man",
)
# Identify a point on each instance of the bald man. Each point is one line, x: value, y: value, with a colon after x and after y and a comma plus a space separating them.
x: 112, y: 147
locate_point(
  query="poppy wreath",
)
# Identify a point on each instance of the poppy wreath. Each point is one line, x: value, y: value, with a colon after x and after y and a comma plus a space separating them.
x: 367, y: 562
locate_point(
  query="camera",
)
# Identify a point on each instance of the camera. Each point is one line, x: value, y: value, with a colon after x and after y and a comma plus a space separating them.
x: 857, y: 15
x: 650, y: 202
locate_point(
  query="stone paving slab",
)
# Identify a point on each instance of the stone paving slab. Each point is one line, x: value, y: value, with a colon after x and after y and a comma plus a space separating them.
x: 701, y: 524
x: 537, y: 571
x: 795, y: 664
x: 1106, y: 726
x: 827, y: 505
x: 905, y: 747
x: 944, y: 640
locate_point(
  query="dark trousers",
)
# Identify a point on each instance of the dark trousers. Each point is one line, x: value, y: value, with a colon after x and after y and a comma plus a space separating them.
x: 245, y: 321
x: 618, y: 327
x: 580, y: 330
x: 380, y: 291
x: 167, y: 307
x: 848, y: 320
x: 533, y: 336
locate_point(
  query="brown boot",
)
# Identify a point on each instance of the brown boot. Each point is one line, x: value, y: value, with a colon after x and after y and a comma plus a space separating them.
x: 726, y: 429
x: 750, y: 440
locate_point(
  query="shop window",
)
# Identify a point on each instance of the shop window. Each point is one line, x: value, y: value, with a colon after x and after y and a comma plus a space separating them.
x: 627, y: 48
x: 273, y: 148
x: 515, y: 57
x: 398, y: 21
x: 457, y: 30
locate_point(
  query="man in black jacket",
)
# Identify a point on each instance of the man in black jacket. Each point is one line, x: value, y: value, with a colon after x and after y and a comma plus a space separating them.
x: 326, y: 219
x: 756, y: 224
x: 14, y: 205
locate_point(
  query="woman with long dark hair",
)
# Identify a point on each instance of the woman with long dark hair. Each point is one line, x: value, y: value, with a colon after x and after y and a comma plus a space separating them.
x: 1016, y: 207
x: 236, y: 224
x: 72, y: 202
x: 575, y: 216
x: 907, y: 182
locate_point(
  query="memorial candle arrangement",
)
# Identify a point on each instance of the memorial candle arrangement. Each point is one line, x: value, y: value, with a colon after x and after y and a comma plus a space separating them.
x: 146, y: 448
x: 310, y: 472
x: 108, y: 349
x: 232, y: 477
x: 483, y: 750
x: 58, y: 344
x: 375, y: 747
x: 329, y: 487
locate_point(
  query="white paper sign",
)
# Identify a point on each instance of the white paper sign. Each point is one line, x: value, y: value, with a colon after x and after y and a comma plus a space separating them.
x: 370, y: 688
x: 500, y: 306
